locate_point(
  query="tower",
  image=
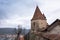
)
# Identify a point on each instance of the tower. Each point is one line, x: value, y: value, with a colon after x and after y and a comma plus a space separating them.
x: 38, y: 22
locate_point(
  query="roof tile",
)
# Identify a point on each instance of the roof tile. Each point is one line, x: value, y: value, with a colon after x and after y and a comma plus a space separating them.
x: 38, y: 14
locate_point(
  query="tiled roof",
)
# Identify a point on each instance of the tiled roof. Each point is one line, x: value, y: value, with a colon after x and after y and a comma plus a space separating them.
x: 54, y: 24
x: 52, y: 36
x: 38, y: 15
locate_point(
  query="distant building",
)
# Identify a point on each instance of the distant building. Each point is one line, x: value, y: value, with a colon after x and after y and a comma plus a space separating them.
x: 13, y: 34
x: 21, y: 37
x: 7, y: 34
x: 40, y: 30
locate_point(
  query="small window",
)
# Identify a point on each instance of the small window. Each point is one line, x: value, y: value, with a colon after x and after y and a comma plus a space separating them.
x: 34, y: 24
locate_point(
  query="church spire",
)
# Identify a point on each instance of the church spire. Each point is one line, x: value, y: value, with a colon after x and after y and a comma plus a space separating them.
x: 38, y: 14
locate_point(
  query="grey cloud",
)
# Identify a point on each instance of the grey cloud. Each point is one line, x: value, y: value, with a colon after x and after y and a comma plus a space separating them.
x: 19, y: 7
x: 2, y: 14
x: 5, y: 6
x: 8, y: 2
x: 25, y: 8
x: 56, y: 11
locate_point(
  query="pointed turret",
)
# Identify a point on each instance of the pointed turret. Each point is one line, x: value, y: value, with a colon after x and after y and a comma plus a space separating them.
x: 38, y: 22
x: 38, y: 15
x: 44, y: 16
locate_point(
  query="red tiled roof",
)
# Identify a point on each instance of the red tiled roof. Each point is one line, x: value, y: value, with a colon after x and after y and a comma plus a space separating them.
x: 38, y: 15
x: 52, y: 36
x: 54, y: 24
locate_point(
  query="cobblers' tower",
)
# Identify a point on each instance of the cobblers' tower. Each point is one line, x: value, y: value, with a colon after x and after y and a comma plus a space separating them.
x: 38, y: 22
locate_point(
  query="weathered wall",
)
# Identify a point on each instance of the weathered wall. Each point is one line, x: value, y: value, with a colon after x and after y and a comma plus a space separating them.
x: 55, y: 30
x: 39, y: 23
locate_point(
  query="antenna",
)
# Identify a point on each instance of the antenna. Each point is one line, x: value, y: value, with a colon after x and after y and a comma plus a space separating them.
x: 35, y: 3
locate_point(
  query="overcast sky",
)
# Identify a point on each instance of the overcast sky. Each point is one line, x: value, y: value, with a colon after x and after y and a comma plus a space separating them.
x: 15, y: 12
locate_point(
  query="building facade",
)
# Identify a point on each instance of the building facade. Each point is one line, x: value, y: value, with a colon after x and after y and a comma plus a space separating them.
x: 40, y: 30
